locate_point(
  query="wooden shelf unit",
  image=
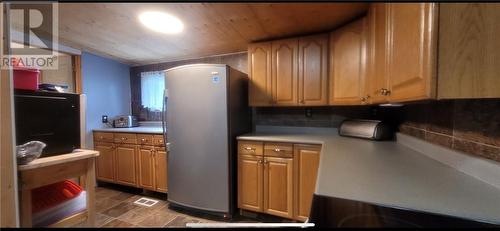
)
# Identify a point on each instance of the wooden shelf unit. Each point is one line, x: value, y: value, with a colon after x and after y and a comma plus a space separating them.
x: 44, y: 171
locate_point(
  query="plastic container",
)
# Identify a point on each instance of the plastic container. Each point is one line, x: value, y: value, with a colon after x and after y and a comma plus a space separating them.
x: 25, y: 78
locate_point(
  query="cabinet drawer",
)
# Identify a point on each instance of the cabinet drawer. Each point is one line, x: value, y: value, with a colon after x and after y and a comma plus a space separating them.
x: 125, y: 138
x: 250, y: 148
x: 103, y: 137
x: 278, y: 149
x: 158, y: 140
x: 145, y: 139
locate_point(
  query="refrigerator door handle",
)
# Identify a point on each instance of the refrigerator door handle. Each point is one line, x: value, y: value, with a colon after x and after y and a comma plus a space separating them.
x: 164, y: 117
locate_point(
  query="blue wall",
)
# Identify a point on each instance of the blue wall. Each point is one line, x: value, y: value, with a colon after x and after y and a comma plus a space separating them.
x: 107, y: 85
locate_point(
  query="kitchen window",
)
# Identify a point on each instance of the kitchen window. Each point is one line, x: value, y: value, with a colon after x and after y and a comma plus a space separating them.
x: 152, y: 87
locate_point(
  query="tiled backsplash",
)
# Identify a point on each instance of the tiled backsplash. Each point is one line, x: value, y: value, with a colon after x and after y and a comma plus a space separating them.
x: 470, y: 126
x: 320, y: 116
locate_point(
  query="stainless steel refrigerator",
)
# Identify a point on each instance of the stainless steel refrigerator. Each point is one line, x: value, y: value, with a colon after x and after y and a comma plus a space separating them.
x: 206, y: 107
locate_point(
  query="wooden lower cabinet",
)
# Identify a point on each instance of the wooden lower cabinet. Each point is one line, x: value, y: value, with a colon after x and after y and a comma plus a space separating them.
x: 160, y: 158
x: 278, y: 185
x: 307, y: 163
x: 146, y: 167
x: 123, y: 161
x: 125, y: 164
x: 250, y: 183
x: 105, y: 168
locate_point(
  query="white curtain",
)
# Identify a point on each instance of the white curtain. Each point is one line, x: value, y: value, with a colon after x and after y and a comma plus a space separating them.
x: 152, y: 86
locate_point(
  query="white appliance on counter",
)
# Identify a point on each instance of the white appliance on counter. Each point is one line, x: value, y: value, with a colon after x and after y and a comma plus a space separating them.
x: 205, y: 108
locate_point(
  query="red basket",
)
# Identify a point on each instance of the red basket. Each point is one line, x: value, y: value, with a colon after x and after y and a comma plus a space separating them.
x: 25, y: 78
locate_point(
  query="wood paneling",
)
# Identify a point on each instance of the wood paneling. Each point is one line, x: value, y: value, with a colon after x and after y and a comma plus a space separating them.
x: 105, y: 166
x: 77, y: 73
x: 278, y: 186
x: 8, y: 173
x: 250, y: 183
x: 284, y: 72
x: 306, y: 158
x: 113, y: 30
x: 125, y: 164
x: 412, y: 51
x: 259, y: 72
x: 146, y: 167
x: 347, y: 64
x: 469, y: 57
x: 161, y: 169
x: 376, y: 53
x: 313, y: 70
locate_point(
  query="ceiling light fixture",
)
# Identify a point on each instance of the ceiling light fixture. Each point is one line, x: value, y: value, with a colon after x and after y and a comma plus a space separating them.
x: 161, y: 22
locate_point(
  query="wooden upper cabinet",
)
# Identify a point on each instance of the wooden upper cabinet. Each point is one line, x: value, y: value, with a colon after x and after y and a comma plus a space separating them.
x: 259, y: 71
x: 313, y: 70
x: 376, y: 77
x: 278, y: 186
x: 306, y: 158
x: 105, y: 166
x: 284, y: 72
x: 412, y: 51
x: 348, y: 64
x: 469, y: 57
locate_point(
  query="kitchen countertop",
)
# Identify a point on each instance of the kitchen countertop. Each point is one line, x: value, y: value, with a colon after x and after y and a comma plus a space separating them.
x: 392, y: 174
x: 140, y: 129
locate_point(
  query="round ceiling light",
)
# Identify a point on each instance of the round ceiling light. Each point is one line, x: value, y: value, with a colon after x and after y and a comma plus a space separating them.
x: 161, y: 22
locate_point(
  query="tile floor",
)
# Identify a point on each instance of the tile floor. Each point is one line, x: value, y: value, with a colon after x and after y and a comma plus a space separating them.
x: 115, y: 208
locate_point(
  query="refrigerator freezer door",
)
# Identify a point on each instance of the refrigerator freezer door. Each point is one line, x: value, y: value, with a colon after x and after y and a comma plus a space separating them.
x: 198, y: 135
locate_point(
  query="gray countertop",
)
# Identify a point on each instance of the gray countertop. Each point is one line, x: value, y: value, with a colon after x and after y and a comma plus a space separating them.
x: 392, y: 174
x: 140, y: 129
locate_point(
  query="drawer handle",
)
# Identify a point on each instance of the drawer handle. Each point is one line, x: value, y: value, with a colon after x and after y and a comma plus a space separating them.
x: 277, y: 150
x: 250, y: 149
x: 143, y: 140
x: 101, y: 137
x: 124, y: 138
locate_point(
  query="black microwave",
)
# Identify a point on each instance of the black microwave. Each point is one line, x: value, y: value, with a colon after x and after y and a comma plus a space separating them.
x: 49, y: 117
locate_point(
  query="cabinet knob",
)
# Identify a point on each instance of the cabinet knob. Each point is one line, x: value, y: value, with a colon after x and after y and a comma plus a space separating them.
x: 384, y: 91
x: 249, y: 149
x: 101, y: 137
x: 143, y: 140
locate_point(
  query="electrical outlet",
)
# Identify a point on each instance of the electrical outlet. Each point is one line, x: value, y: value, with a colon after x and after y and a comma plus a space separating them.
x: 309, y: 113
x: 104, y: 119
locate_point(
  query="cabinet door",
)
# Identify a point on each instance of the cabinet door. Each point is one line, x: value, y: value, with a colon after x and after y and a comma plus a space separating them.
x: 259, y: 71
x: 105, y: 163
x: 161, y: 170
x: 412, y: 50
x: 146, y: 167
x: 306, y: 158
x: 377, y: 81
x: 469, y: 57
x: 250, y: 182
x: 313, y: 68
x: 125, y: 163
x: 278, y: 186
x: 284, y: 72
x: 348, y: 64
